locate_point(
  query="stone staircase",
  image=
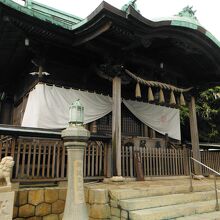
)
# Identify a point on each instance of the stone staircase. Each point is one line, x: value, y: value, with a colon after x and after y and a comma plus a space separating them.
x: 167, y: 202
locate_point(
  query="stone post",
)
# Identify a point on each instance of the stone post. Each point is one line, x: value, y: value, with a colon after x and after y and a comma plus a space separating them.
x: 75, y: 140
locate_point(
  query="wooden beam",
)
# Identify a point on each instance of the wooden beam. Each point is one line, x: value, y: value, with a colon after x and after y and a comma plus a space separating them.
x: 116, y: 126
x: 194, y: 135
x: 91, y: 36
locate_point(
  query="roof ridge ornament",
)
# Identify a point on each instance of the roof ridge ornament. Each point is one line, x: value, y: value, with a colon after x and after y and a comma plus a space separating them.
x: 131, y: 3
x: 188, y: 12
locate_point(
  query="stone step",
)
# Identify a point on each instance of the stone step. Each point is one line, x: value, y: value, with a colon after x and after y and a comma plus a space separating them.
x: 166, y: 200
x: 204, y: 216
x: 173, y: 211
x: 121, y: 194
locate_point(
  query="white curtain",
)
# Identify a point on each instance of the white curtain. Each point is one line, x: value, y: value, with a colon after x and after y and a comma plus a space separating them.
x: 48, y: 107
x: 161, y: 119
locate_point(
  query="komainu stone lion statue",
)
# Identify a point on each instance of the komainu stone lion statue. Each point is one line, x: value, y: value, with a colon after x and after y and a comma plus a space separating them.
x: 6, y: 166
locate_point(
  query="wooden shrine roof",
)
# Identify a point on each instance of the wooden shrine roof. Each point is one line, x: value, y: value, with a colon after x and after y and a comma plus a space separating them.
x: 73, y: 49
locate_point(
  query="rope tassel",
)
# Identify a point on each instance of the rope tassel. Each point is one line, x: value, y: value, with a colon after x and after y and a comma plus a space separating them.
x: 150, y: 95
x: 182, y: 99
x: 138, y: 91
x: 172, y: 98
x: 161, y: 97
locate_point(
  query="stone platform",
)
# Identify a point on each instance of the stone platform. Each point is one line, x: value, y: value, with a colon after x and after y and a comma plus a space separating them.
x: 123, y: 200
x: 156, y: 198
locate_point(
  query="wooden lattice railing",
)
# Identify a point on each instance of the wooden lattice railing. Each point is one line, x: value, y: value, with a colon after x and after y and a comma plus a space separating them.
x: 155, y: 162
x: 210, y: 159
x: 166, y: 162
x: 46, y: 159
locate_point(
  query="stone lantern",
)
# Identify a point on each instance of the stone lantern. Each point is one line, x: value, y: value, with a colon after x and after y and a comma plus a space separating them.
x: 75, y: 138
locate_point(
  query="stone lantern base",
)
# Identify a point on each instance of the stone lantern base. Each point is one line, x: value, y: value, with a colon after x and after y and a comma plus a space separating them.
x: 75, y: 139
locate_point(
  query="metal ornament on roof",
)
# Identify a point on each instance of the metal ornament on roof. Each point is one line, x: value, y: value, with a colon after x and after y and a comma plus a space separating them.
x: 40, y: 72
x: 188, y: 12
x: 131, y: 3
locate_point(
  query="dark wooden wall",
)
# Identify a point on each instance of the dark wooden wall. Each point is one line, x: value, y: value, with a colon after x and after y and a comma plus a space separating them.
x: 131, y: 126
x: 6, y: 112
x: 19, y: 110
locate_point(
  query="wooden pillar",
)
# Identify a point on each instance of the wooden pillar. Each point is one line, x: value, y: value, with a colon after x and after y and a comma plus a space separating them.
x: 145, y: 130
x: 116, y: 126
x: 0, y: 112
x: 166, y: 138
x: 194, y: 135
x: 93, y: 127
x: 186, y: 160
x: 109, y: 160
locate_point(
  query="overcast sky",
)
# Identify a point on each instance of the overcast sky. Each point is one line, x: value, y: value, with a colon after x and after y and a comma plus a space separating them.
x: 208, y: 11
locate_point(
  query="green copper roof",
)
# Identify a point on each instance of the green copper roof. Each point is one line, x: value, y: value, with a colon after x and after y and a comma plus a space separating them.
x: 44, y: 13
x: 186, y: 18
x: 213, y: 38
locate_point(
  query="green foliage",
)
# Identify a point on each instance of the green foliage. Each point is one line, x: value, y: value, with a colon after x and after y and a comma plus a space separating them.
x: 208, y: 112
x: 208, y: 108
x: 208, y: 104
x: 184, y: 114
